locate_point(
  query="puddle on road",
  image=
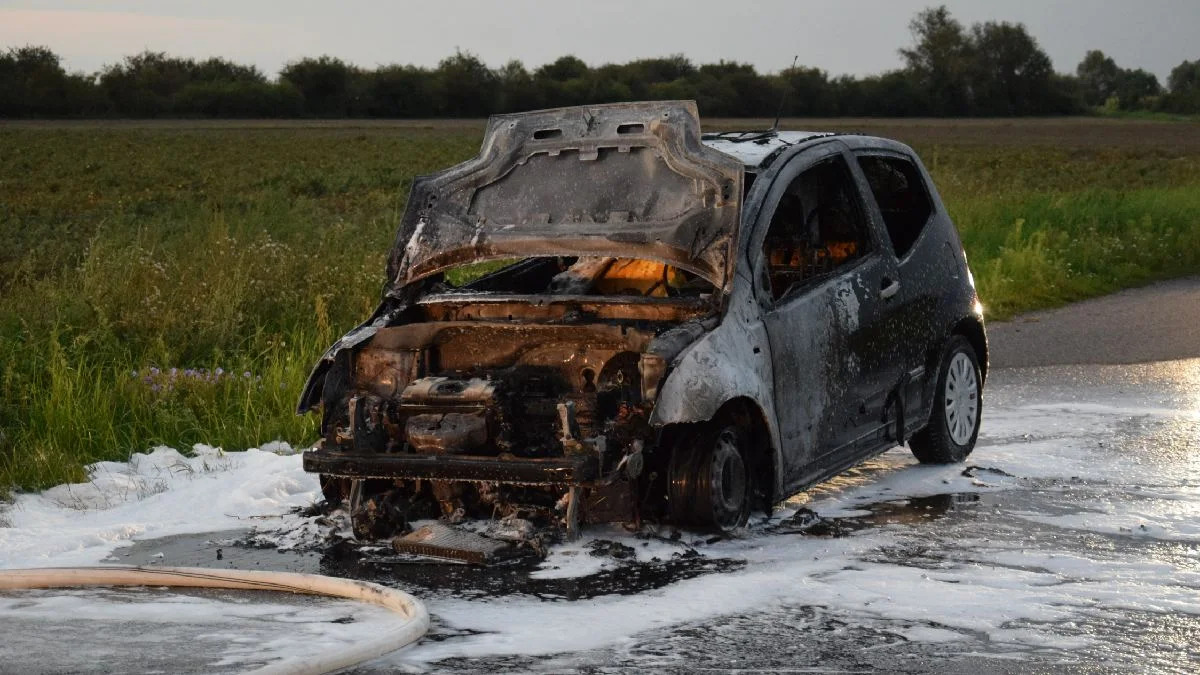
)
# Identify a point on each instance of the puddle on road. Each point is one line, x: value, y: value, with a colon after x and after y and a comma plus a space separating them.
x: 914, y: 510
x: 908, y: 511
x: 230, y: 549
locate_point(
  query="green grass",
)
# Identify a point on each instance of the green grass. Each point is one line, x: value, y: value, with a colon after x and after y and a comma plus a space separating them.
x: 1041, y: 250
x: 250, y: 249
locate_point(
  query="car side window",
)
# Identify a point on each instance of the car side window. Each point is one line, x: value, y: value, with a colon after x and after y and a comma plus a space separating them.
x: 902, y: 197
x: 818, y: 226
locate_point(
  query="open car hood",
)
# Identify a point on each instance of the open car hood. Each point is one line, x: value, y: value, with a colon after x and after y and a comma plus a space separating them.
x: 624, y: 180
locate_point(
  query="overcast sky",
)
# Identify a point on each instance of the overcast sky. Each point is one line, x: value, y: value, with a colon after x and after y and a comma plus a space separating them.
x: 841, y: 36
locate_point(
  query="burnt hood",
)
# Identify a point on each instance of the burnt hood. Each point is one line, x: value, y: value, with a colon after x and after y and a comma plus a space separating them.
x: 622, y: 180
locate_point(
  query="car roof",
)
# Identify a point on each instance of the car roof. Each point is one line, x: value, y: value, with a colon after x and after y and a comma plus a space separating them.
x: 753, y: 148
x: 757, y: 149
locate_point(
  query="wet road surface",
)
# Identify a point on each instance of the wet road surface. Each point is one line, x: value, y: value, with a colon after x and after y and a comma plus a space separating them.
x: 1069, y: 542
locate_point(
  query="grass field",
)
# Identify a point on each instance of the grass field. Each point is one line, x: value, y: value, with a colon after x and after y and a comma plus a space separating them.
x: 172, y: 282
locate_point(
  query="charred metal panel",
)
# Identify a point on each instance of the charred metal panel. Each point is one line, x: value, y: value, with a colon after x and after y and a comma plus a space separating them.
x: 623, y: 180
x: 385, y: 315
x: 571, y: 469
x: 937, y: 287
x: 437, y: 433
x: 438, y: 540
x: 729, y: 362
x: 444, y: 391
x: 387, y: 373
x: 732, y: 361
x: 467, y: 347
x: 481, y: 307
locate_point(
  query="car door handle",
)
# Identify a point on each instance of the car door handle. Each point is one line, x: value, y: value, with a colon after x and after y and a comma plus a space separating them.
x: 889, y: 288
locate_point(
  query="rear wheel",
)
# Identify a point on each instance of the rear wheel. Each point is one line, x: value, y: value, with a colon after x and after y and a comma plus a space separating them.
x: 958, y: 402
x: 709, y: 486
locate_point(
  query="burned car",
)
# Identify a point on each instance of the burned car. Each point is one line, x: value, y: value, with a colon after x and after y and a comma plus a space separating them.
x: 677, y: 327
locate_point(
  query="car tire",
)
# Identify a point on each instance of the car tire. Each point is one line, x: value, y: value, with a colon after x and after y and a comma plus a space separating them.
x: 709, y: 484
x: 957, y: 408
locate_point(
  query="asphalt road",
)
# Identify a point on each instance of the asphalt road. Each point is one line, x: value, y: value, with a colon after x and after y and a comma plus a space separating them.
x: 1070, y: 541
x: 1154, y: 323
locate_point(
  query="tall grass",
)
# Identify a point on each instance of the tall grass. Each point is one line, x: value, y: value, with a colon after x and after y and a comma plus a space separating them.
x: 131, y: 252
x: 1041, y: 250
x: 79, y: 407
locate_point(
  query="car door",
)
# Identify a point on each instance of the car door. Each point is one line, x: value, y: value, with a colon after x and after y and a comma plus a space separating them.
x: 899, y: 198
x: 825, y: 290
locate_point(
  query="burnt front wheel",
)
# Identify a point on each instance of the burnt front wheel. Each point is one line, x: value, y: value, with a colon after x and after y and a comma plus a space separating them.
x: 709, y: 484
x: 958, y: 401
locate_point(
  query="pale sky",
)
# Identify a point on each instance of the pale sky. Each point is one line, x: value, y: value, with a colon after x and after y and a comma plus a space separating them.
x: 857, y: 37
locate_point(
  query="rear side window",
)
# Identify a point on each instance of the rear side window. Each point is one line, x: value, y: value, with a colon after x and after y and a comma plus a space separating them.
x: 900, y: 193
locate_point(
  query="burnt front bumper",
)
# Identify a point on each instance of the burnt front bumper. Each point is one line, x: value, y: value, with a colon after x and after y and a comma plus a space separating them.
x: 569, y: 470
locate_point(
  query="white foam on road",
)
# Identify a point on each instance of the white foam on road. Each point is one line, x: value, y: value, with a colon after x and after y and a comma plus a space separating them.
x: 933, y: 584
x: 155, y: 494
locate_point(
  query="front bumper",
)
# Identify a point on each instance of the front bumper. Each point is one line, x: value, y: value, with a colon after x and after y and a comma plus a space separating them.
x: 569, y: 470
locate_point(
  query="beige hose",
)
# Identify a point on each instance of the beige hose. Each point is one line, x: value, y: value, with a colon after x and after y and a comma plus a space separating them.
x: 414, y: 625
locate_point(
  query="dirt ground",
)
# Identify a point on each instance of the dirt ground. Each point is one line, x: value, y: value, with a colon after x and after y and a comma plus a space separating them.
x: 1074, y: 132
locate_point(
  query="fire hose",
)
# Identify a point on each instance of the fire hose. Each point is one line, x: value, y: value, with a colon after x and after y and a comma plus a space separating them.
x: 414, y: 625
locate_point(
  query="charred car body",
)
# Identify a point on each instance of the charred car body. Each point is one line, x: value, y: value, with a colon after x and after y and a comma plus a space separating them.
x: 682, y: 327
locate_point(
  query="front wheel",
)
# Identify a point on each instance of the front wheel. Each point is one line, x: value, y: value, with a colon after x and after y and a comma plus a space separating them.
x: 958, y: 402
x: 709, y: 484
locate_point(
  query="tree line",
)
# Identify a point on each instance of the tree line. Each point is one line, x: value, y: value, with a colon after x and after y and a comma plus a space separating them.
x: 991, y: 69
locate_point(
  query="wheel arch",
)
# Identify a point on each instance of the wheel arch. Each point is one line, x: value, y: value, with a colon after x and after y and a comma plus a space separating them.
x: 763, y: 460
x: 726, y: 373
x: 931, y: 444
x: 971, y: 328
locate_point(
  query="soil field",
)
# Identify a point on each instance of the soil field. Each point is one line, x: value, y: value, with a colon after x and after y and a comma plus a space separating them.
x: 1069, y: 132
